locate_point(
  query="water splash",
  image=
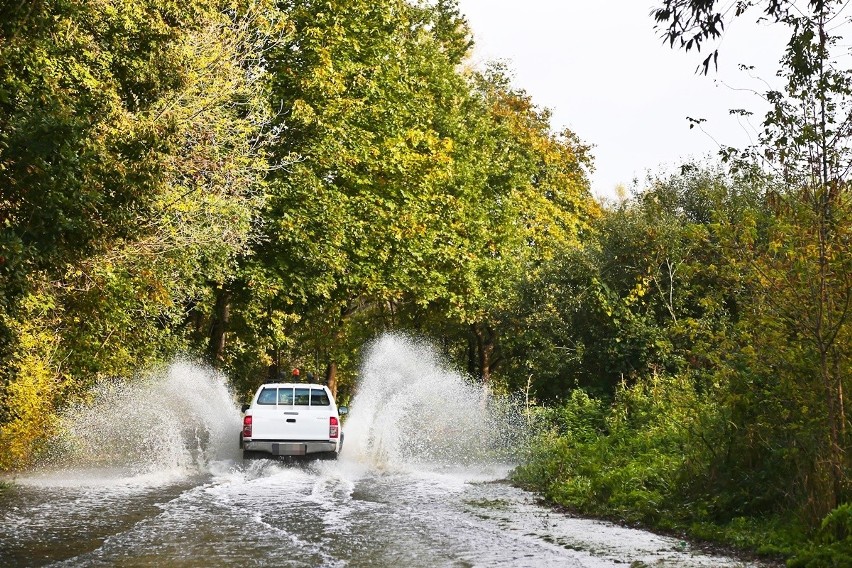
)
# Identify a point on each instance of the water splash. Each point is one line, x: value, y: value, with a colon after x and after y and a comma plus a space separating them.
x: 412, y: 410
x: 178, y: 418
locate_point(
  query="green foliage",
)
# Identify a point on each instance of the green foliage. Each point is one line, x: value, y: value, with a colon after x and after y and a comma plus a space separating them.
x: 649, y: 292
x: 773, y: 537
x: 796, y: 256
x: 131, y: 164
x: 791, y: 252
x: 371, y: 111
x: 645, y: 458
x: 276, y: 183
x: 271, y: 184
x: 418, y: 193
x: 589, y: 459
x: 831, y: 547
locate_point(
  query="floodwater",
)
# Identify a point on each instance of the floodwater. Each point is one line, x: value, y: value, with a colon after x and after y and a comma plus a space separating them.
x: 420, y: 482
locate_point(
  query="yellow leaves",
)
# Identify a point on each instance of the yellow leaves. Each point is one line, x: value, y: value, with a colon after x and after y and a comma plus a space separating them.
x: 639, y: 291
x: 748, y: 228
x: 775, y: 246
x: 302, y: 112
x: 34, y: 385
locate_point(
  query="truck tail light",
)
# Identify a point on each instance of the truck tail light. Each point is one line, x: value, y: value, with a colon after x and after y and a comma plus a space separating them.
x: 333, y: 427
x: 247, y: 427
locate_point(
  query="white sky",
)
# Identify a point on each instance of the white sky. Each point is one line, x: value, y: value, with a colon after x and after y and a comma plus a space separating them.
x: 604, y: 72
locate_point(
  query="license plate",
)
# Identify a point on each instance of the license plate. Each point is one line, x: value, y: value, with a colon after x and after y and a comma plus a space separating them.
x: 289, y: 449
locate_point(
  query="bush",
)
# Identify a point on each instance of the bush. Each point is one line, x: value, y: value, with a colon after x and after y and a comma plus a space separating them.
x: 27, y: 402
x: 655, y: 456
x: 625, y: 461
x: 831, y: 547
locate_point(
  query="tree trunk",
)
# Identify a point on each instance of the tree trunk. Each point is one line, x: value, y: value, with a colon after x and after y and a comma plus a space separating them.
x: 219, y: 325
x: 835, y: 451
x: 331, y: 378
x: 472, y: 359
x: 274, y: 372
x: 485, y: 349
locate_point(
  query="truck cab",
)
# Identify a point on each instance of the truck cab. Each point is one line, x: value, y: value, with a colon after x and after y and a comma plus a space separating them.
x: 292, y: 419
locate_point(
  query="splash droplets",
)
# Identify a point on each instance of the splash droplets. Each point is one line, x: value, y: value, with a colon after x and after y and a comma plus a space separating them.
x: 179, y: 417
x: 411, y: 409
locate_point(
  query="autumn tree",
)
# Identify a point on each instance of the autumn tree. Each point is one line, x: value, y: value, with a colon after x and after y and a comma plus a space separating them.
x: 418, y: 190
x: 372, y: 117
x: 799, y: 253
x: 531, y: 203
x: 131, y: 140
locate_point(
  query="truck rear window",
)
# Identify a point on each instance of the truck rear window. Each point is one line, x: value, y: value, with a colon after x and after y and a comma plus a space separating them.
x: 291, y: 396
x: 285, y: 396
x: 319, y: 398
x: 267, y: 396
x: 302, y: 397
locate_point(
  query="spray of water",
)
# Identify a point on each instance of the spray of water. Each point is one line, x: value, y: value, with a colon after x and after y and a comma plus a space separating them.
x: 181, y: 417
x: 411, y: 410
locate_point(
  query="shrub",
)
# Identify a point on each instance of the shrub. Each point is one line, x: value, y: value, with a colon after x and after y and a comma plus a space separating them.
x: 831, y: 547
x: 629, y: 460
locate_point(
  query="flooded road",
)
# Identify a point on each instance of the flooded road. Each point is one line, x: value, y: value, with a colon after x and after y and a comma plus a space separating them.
x: 322, y: 514
x: 421, y: 482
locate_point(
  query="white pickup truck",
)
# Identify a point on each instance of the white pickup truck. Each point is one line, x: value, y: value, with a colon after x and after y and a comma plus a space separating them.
x: 292, y: 419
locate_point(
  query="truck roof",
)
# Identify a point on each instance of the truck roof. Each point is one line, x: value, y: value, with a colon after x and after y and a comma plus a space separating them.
x: 291, y: 385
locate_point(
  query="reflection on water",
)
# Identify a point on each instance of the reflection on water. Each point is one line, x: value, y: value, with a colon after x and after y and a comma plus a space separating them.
x: 418, y: 484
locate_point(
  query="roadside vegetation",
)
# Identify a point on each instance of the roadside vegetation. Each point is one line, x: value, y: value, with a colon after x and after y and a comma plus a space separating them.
x: 265, y: 185
x: 717, y: 304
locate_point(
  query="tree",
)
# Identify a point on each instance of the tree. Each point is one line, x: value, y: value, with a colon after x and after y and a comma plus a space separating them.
x: 799, y: 253
x: 418, y: 190
x: 691, y: 23
x: 539, y: 207
x: 374, y: 114
x: 131, y: 156
x: 805, y: 259
x: 647, y: 293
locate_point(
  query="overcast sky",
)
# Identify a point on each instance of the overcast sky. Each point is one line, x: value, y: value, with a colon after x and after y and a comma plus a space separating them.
x: 602, y: 69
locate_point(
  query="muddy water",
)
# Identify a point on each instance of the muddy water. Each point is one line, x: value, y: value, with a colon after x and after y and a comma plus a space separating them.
x: 420, y: 483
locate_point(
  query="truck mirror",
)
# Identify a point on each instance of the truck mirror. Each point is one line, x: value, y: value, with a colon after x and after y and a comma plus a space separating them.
x: 341, y: 410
